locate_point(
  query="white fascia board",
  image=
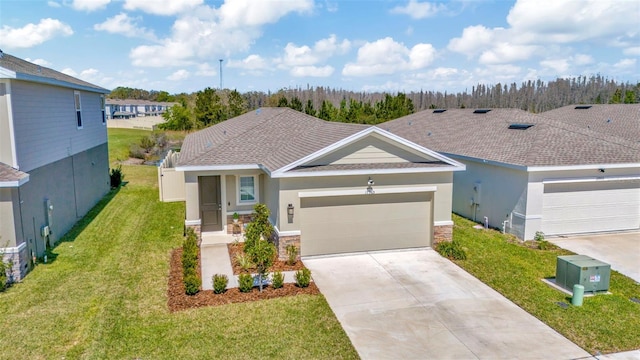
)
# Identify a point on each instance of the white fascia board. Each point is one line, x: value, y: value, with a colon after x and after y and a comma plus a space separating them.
x: 590, y: 179
x: 583, y: 167
x: 218, y: 167
x: 368, y: 172
x: 359, y: 135
x: 49, y: 81
x: 364, y: 191
x: 488, y: 162
x: 7, y: 74
x: 15, y: 183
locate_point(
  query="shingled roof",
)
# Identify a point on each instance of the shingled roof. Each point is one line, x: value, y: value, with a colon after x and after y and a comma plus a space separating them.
x: 10, y: 177
x: 487, y: 136
x: 270, y: 137
x: 622, y: 120
x: 12, y: 67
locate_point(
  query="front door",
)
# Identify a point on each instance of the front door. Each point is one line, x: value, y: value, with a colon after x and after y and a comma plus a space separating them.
x: 210, y: 203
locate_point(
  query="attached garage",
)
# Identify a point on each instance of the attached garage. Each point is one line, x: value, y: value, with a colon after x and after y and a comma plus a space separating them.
x: 354, y: 222
x: 583, y: 207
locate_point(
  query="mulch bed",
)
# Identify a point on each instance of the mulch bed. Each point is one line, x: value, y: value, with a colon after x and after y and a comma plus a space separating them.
x: 178, y: 300
x: 279, y: 265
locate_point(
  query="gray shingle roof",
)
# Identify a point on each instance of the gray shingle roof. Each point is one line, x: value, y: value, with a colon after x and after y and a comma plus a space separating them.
x: 31, y: 72
x: 9, y: 174
x: 486, y: 136
x: 271, y: 137
x: 622, y: 120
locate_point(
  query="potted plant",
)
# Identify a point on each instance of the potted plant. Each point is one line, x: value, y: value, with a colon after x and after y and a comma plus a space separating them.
x: 236, y: 217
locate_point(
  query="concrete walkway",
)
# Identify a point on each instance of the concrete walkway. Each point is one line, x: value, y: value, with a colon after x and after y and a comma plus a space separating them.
x: 214, y: 258
x: 418, y: 305
x: 620, y: 250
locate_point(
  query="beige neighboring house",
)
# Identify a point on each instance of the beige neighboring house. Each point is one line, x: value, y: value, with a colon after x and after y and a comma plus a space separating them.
x: 567, y: 171
x: 331, y: 187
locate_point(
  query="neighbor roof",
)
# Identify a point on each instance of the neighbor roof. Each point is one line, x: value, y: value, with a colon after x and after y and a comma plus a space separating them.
x: 622, y: 120
x: 10, y: 177
x: 12, y: 67
x: 486, y: 136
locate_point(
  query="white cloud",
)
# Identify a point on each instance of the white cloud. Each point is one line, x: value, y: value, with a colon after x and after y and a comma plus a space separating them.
x: 161, y: 7
x: 386, y: 56
x: 305, y: 55
x: 69, y: 71
x: 53, y: 4
x: 419, y: 10
x: 40, y: 62
x: 560, y: 66
x: 33, y: 34
x: 635, y: 50
x: 204, y: 32
x: 181, y: 74
x: 205, y: 69
x: 625, y: 64
x: 251, y: 62
x: 124, y: 25
x: 502, y: 53
x: 582, y: 59
x: 473, y: 40
x: 312, y: 71
x: 89, y: 5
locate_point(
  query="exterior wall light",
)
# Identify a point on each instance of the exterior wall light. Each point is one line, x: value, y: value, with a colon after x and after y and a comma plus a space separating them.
x: 290, y: 210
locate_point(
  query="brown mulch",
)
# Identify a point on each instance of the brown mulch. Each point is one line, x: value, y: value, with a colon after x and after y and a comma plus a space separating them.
x: 279, y: 265
x: 178, y: 300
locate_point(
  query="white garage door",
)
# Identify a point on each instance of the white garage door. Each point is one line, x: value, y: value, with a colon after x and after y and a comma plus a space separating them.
x: 339, y: 224
x: 590, y: 207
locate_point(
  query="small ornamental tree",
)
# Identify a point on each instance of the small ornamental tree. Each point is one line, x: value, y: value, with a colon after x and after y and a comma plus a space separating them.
x: 259, y: 227
x: 262, y: 254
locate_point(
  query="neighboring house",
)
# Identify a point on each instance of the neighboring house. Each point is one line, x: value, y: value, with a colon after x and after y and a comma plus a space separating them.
x: 529, y: 173
x: 331, y: 187
x: 129, y: 108
x: 54, y: 163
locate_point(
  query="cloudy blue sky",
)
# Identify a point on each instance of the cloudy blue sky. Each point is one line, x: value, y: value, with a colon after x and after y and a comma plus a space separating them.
x: 358, y: 45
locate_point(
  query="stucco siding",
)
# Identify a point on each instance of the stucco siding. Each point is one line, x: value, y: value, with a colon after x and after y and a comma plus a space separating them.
x: 290, y: 187
x: 8, y: 200
x: 45, y: 123
x: 503, y: 195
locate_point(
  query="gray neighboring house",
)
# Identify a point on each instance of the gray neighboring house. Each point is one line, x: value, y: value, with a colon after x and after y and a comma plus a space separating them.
x: 54, y: 161
x: 130, y: 108
x: 529, y: 173
x: 331, y: 187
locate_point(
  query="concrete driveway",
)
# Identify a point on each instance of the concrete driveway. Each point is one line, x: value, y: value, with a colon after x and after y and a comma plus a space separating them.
x: 417, y: 305
x: 621, y: 250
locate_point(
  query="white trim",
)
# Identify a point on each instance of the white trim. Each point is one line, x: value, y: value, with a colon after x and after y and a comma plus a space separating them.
x: 244, y: 212
x: 287, y: 233
x: 364, y: 191
x: 367, y: 172
x: 590, y: 179
x: 78, y: 108
x: 192, y: 222
x: 583, y: 167
x: 12, y: 134
x: 359, y: 135
x: 13, y: 184
x: 13, y: 249
x: 219, y: 167
x: 256, y: 190
x: 6, y: 73
x: 443, y: 223
x: 526, y: 217
x: 485, y: 161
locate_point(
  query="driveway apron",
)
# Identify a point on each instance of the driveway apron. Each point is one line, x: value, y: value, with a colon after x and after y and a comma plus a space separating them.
x: 417, y: 305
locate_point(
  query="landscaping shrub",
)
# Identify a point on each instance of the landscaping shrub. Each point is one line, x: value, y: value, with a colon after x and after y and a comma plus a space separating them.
x: 545, y: 245
x: 259, y: 227
x: 277, y: 280
x: 191, y: 284
x: 135, y: 151
x: 263, y: 255
x: 220, y: 282
x: 3, y: 274
x: 245, y: 282
x: 452, y: 250
x: 244, y: 262
x: 539, y: 236
x: 303, y: 277
x: 116, y: 177
x: 292, y: 254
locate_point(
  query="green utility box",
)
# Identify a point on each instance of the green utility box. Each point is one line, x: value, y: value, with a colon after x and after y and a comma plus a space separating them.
x: 584, y: 270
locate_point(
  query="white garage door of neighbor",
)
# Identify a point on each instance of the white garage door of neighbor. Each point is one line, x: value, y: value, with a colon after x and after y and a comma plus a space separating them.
x: 340, y: 224
x: 590, y: 207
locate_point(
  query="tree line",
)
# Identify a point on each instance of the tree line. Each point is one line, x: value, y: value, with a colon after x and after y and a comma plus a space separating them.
x: 211, y: 106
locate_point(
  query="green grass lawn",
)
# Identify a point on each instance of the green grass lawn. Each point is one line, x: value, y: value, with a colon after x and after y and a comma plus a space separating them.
x: 121, y: 139
x: 605, y: 323
x: 104, y: 295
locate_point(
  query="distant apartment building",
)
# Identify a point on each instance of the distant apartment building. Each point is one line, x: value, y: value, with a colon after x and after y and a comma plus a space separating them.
x: 130, y: 108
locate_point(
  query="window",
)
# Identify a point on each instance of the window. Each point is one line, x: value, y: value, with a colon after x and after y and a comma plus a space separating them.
x: 247, y: 189
x: 104, y: 119
x: 76, y: 95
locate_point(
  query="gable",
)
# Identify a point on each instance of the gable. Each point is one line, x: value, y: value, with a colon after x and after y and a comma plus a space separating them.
x: 372, y: 149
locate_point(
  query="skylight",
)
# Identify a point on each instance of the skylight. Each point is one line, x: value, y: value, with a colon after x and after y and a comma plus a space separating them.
x: 582, y: 107
x: 481, y: 111
x: 520, y: 126
x: 439, y: 111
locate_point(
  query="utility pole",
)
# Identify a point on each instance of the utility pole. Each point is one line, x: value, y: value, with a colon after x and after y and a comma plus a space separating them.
x: 221, y: 74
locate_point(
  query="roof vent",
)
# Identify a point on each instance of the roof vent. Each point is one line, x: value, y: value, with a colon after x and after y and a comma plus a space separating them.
x: 608, y: 121
x: 582, y: 107
x: 410, y: 122
x: 481, y: 111
x: 439, y: 111
x: 520, y: 126
x: 429, y: 134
